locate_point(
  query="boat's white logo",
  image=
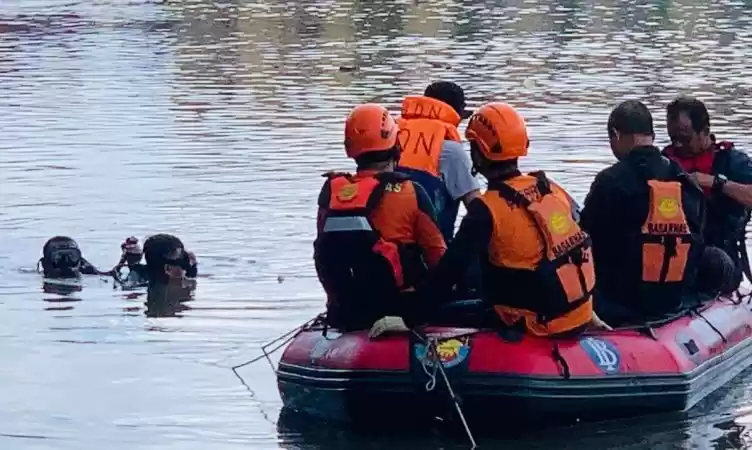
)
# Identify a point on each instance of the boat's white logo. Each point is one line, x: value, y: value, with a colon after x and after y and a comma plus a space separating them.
x: 603, y: 353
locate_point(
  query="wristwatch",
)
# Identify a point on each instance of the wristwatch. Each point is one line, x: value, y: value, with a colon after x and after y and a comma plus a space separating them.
x: 718, y: 182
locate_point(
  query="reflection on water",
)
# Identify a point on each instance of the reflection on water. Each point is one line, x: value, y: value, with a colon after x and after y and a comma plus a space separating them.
x: 215, y: 119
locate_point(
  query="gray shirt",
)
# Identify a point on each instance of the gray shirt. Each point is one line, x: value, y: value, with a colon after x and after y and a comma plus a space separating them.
x: 455, y: 168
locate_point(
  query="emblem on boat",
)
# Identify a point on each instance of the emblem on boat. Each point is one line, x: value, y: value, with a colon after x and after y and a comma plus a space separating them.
x: 603, y: 353
x: 451, y: 352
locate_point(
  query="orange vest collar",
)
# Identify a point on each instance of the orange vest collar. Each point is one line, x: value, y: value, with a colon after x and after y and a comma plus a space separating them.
x: 421, y: 107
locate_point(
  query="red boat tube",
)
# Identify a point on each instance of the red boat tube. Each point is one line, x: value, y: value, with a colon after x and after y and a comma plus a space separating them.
x: 668, y: 366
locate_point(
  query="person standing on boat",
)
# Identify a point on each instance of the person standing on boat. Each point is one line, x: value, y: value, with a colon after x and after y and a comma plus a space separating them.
x: 432, y: 153
x: 536, y: 264
x: 376, y: 230
x: 723, y: 172
x: 645, y: 217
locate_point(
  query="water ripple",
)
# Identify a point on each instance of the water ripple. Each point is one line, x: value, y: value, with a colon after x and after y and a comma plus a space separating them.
x: 215, y: 119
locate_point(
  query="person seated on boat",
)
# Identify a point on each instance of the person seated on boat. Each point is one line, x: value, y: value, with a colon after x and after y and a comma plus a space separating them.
x: 432, y: 153
x: 130, y: 258
x: 167, y: 260
x: 62, y: 258
x: 536, y: 264
x: 723, y: 172
x: 376, y: 230
x: 645, y: 217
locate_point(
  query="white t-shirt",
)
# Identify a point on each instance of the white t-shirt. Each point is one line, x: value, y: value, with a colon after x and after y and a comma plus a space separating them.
x: 455, y: 167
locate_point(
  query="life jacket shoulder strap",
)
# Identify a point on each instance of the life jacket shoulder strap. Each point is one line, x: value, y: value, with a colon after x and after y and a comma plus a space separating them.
x: 510, y: 194
x: 542, y: 183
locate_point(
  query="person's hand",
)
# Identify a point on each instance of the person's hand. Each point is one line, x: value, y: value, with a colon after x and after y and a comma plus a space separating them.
x: 191, y: 258
x: 702, y: 179
x: 388, y: 324
x: 597, y: 324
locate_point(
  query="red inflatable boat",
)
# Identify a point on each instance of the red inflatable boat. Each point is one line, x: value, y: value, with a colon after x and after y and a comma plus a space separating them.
x: 667, y: 366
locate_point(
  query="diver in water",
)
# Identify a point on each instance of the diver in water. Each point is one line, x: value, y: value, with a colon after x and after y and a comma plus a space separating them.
x: 61, y: 258
x: 169, y: 268
x: 167, y: 260
x: 140, y: 274
x: 130, y: 257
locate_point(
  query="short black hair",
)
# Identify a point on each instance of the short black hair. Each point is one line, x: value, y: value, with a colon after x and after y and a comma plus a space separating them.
x: 159, y: 246
x: 631, y: 117
x: 156, y: 251
x: 693, y: 108
x: 450, y: 93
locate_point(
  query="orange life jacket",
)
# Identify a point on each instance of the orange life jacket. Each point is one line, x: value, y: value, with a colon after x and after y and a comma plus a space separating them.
x: 666, y: 238
x: 424, y: 126
x: 563, y: 277
x: 347, y: 222
x: 362, y: 273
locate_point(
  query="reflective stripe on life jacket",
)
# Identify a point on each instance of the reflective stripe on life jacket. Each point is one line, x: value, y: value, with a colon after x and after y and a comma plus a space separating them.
x: 424, y: 126
x: 347, y: 224
x: 565, y: 269
x: 666, y: 236
x: 350, y: 204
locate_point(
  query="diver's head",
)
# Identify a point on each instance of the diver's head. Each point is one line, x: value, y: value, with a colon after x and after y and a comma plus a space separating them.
x: 61, y: 258
x: 131, y: 251
x: 166, y: 259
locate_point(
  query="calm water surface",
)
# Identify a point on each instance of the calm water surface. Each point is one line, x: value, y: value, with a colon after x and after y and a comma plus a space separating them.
x: 214, y: 120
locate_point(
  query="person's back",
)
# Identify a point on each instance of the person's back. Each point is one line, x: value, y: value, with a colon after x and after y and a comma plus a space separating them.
x: 432, y: 152
x: 537, y: 268
x: 645, y: 219
x: 376, y: 229
x: 524, y: 268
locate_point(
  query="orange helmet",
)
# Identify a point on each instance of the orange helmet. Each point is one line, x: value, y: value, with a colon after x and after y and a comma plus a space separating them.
x: 500, y: 132
x: 369, y: 128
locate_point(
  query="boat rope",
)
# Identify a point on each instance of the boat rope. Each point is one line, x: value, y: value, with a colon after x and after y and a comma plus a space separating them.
x: 698, y: 314
x: 430, y: 343
x: 559, y: 358
x: 649, y: 331
x: 284, y: 338
x: 430, y: 372
x: 741, y: 296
